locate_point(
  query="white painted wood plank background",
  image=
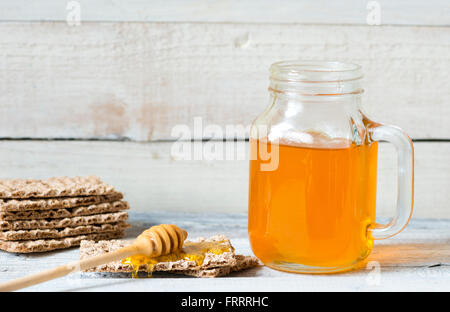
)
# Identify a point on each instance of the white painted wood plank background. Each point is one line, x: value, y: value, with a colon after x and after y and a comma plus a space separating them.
x: 139, y: 80
x: 418, y: 259
x: 399, y: 12
x: 153, y: 180
x: 136, y: 69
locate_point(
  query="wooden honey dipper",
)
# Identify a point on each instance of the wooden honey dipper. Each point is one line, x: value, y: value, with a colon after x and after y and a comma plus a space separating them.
x: 156, y: 241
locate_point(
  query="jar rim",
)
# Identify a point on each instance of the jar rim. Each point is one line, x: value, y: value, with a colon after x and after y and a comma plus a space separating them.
x: 316, y: 77
x: 326, y: 65
x: 315, y: 71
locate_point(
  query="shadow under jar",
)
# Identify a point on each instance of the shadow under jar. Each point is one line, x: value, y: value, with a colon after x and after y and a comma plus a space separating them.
x: 313, y: 171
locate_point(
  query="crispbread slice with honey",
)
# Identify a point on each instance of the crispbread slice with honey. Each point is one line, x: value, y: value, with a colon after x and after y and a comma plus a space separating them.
x: 216, y: 258
x: 242, y: 263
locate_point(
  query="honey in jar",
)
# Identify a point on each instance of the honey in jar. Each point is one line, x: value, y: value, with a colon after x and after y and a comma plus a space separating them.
x: 315, y: 193
x: 313, y: 171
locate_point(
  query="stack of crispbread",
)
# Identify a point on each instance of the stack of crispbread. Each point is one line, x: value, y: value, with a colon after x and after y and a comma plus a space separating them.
x: 213, y: 265
x: 43, y: 215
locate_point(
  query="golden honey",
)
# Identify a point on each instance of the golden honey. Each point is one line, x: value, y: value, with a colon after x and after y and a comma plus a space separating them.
x: 191, y: 251
x: 314, y: 209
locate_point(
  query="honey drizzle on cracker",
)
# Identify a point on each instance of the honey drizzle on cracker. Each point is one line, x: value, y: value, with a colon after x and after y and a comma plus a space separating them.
x: 191, y: 251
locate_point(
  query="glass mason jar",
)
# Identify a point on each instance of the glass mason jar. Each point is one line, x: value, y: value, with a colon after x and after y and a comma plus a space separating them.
x: 313, y: 171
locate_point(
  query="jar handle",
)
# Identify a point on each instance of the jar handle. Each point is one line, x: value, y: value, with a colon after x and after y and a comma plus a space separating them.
x: 405, y: 179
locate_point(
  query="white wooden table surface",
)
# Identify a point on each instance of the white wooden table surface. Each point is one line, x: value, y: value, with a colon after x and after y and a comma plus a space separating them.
x: 418, y: 259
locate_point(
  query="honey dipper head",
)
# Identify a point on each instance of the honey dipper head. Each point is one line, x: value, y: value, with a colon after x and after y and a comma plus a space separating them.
x: 161, y: 240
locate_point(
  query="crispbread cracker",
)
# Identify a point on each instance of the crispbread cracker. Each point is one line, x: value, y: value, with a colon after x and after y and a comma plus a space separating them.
x: 242, y: 263
x: 64, y: 212
x: 64, y: 232
x: 213, y: 265
x: 65, y: 222
x: 89, y: 249
x: 54, y: 187
x: 56, y: 203
x: 42, y: 245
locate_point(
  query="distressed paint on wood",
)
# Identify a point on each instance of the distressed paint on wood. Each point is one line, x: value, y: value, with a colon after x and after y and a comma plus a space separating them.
x: 400, y: 12
x: 403, y: 265
x: 153, y: 179
x: 140, y: 80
